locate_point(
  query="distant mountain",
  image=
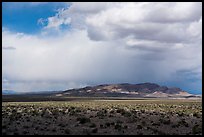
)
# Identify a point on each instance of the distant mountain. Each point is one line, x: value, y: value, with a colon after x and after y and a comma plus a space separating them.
x: 8, y: 92
x: 11, y: 92
x: 41, y: 92
x: 142, y: 90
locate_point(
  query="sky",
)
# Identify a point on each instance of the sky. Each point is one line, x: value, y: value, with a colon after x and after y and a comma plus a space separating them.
x: 50, y: 46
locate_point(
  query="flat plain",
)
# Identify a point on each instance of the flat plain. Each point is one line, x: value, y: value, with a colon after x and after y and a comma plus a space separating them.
x: 103, y: 117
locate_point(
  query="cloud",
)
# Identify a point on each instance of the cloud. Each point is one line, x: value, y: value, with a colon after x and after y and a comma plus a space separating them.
x: 161, y: 22
x: 75, y: 13
x: 149, y: 21
x: 41, y: 21
x: 87, y: 8
x: 74, y: 58
x: 21, y: 5
x: 35, y: 86
x: 174, y: 12
x: 8, y: 48
x: 54, y: 22
x: 37, y: 3
x: 5, y: 81
x: 108, y: 43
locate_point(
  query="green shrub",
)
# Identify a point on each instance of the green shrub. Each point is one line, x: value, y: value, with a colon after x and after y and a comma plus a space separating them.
x: 196, y: 129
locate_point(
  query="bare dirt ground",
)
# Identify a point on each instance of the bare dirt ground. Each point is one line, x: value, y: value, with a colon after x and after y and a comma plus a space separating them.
x: 103, y: 117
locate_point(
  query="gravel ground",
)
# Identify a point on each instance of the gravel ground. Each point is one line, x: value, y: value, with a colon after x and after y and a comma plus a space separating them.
x: 130, y: 117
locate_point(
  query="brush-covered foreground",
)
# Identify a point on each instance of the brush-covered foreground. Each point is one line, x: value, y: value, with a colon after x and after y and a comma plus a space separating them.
x: 103, y: 117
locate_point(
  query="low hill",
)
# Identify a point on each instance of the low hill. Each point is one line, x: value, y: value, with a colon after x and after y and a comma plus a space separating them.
x: 142, y: 90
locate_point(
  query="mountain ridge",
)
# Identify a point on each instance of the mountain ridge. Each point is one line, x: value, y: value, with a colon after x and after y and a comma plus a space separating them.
x: 144, y: 90
x: 8, y: 92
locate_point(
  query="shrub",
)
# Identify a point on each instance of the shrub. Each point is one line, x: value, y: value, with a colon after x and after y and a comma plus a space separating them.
x: 25, y: 126
x: 92, y: 125
x: 196, y: 115
x: 143, y: 111
x: 183, y: 122
x: 112, y: 111
x: 139, y: 127
x: 83, y: 120
x: 125, y: 127
x: 101, y: 126
x: 165, y: 121
x: 4, y: 126
x: 25, y: 132
x: 120, y: 111
x: 54, y: 130
x: 175, y: 126
x: 118, y: 127
x: 180, y: 114
x: 15, y: 133
x: 126, y: 114
x: 118, y: 121
x: 101, y: 114
x: 86, y: 131
x: 155, y: 124
x: 143, y: 122
x: 95, y: 130
x: 196, y: 129
x: 108, y: 124
x: 62, y: 125
x: 67, y: 131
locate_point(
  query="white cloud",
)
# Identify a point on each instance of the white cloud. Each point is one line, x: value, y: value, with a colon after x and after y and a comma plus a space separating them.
x: 170, y: 12
x: 41, y: 21
x: 8, y: 48
x: 166, y: 22
x: 107, y: 43
x: 149, y: 21
x: 73, y: 58
x: 54, y: 22
x: 88, y: 7
x: 20, y: 5
x: 76, y: 13
x: 5, y: 81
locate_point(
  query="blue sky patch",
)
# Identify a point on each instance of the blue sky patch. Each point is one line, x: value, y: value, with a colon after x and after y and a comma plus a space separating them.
x: 23, y: 16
